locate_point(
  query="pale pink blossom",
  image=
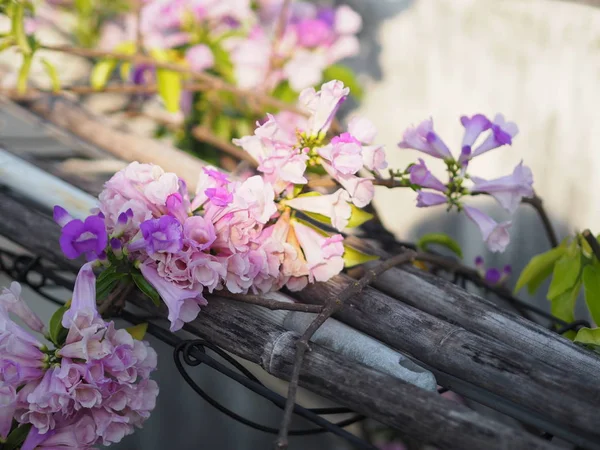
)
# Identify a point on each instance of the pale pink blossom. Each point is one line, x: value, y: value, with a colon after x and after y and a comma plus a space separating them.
x: 305, y: 69
x: 200, y: 57
x: 347, y: 21
x: 362, y: 129
x: 183, y: 304
x: 322, y: 105
x: 335, y: 206
x: 494, y: 234
x: 323, y: 254
x: 344, y: 154
x: 11, y: 299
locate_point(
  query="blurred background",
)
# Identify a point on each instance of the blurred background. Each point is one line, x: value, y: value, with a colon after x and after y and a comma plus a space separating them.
x: 535, y: 61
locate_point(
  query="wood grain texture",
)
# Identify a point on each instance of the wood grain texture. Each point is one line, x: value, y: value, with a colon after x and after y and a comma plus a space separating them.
x: 448, y: 302
x: 485, y: 362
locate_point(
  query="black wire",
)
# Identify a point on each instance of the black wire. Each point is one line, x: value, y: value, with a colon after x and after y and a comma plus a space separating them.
x: 194, y: 354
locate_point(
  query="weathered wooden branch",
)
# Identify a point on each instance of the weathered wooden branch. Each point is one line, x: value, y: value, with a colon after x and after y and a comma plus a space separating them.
x: 123, y: 145
x: 511, y: 373
x: 231, y: 325
x: 448, y: 302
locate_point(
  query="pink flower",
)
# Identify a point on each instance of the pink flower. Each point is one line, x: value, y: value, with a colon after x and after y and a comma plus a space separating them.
x: 83, y: 310
x: 198, y: 232
x: 361, y: 190
x: 335, y: 206
x: 210, y: 178
x: 323, y: 105
x: 362, y: 129
x: 239, y: 273
x: 344, y: 153
x: 374, y: 157
x: 347, y: 21
x: 508, y: 190
x: 200, y: 57
x: 494, y: 234
x: 183, y: 304
x: 207, y: 270
x: 11, y: 299
x: 305, y: 69
x: 323, y: 255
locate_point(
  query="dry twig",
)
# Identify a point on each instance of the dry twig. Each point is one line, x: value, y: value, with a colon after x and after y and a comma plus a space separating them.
x: 330, y: 308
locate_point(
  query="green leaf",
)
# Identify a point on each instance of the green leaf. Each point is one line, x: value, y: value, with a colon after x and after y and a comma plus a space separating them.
x: 285, y: 93
x: 18, y: 27
x: 146, y: 287
x: 440, y: 239
x: 124, y: 70
x: 539, y: 268
x: 52, y: 74
x: 354, y: 257
x: 223, y: 63
x: 169, y: 88
x: 169, y: 82
x: 56, y: 331
x: 24, y: 73
x: 591, y: 288
x: 588, y: 336
x: 313, y: 226
x: 138, y: 331
x: 358, y: 217
x: 101, y: 73
x: 16, y: 437
x: 318, y: 217
x: 346, y: 76
x: 566, y: 272
x: 563, y: 305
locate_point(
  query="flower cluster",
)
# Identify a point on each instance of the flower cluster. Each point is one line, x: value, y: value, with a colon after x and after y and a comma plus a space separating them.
x: 243, y: 236
x: 212, y: 34
x: 92, y: 388
x: 507, y: 190
x: 492, y: 275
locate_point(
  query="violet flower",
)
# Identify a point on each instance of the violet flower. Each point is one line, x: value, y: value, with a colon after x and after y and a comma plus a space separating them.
x: 474, y: 126
x: 160, y: 236
x: 420, y: 175
x: 502, y: 134
x: 510, y: 189
x: 424, y: 139
x: 83, y: 302
x: 8, y: 406
x: 425, y: 199
x: 78, y: 237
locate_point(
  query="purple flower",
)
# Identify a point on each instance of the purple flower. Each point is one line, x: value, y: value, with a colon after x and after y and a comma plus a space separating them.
x: 176, y: 207
x: 493, y: 276
x: 313, y: 33
x: 508, y: 190
x: 420, y: 174
x: 494, y: 234
x: 474, y: 126
x: 183, y: 304
x: 425, y: 199
x: 61, y: 216
x: 77, y: 238
x: 502, y: 134
x: 163, y: 235
x: 8, y: 405
x: 424, y: 139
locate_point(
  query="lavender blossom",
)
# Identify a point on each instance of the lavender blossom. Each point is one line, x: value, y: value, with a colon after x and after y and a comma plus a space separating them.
x: 160, y: 235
